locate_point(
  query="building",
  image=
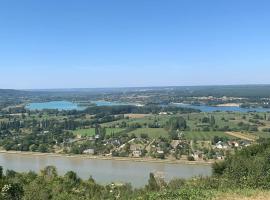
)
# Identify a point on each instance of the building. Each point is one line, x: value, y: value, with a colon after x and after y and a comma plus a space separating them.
x: 89, y: 151
x: 221, y: 145
x: 137, y: 153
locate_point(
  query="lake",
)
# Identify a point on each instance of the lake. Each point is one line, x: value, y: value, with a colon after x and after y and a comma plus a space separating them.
x: 110, y: 103
x: 205, y: 108
x: 59, y: 105
x: 67, y: 105
x: 103, y: 171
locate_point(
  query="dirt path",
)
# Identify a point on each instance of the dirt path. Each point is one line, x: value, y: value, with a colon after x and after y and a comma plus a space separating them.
x: 242, y: 136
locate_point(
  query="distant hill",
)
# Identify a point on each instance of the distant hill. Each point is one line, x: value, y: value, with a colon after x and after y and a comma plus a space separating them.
x: 11, y: 92
x: 218, y: 91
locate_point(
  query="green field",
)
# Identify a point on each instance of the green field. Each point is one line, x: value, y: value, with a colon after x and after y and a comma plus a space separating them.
x: 151, y: 132
x: 200, y: 135
x: 195, y: 124
x: 91, y: 131
x: 262, y: 134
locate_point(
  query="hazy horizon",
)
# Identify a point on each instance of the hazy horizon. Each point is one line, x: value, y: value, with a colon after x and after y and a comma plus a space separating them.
x: 87, y: 44
x: 133, y: 87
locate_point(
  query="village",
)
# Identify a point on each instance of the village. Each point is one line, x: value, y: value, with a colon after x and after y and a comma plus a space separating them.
x: 164, y: 148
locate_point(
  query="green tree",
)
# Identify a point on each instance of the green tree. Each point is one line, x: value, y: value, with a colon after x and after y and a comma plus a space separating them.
x: 176, y: 123
x: 152, y: 183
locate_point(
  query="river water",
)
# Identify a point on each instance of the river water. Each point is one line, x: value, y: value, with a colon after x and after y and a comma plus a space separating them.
x: 103, y: 171
x: 205, y: 108
x: 66, y: 105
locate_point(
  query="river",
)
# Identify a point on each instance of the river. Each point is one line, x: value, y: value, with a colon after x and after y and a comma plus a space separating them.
x: 103, y: 171
x: 66, y: 105
x: 205, y: 108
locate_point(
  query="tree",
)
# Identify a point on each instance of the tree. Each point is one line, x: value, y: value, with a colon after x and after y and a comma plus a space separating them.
x: 218, y: 168
x: 101, y: 131
x: 212, y: 121
x: 12, y: 191
x: 49, y: 172
x: 72, y: 176
x: 43, y: 148
x: 1, y: 172
x: 152, y: 183
x: 176, y: 123
x: 205, y: 120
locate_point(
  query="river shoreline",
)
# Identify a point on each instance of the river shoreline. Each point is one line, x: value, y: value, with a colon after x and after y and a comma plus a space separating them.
x: 149, y: 160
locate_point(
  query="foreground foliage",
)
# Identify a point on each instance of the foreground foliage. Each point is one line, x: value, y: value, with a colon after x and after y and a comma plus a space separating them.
x: 242, y: 174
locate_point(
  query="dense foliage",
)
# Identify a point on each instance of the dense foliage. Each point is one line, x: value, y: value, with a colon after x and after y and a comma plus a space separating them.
x: 249, y: 167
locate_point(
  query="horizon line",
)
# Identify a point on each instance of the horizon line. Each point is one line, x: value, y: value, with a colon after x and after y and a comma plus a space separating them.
x: 134, y: 87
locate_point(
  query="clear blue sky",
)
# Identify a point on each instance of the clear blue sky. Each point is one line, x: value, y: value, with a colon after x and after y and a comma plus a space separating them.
x: 113, y: 43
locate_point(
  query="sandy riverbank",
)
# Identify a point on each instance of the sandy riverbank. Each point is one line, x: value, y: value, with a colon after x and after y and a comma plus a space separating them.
x: 152, y: 160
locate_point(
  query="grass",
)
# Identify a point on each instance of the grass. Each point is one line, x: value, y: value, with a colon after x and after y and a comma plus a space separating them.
x: 201, y: 135
x: 262, y: 134
x: 205, y: 194
x: 151, y: 132
x: 91, y: 131
x: 243, y: 194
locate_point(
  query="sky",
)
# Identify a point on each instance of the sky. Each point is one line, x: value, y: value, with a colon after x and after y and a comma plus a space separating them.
x: 133, y: 43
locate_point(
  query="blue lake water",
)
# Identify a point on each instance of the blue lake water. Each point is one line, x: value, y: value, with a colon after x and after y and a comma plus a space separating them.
x: 59, y: 105
x: 205, y: 108
x: 109, y: 103
x: 67, y: 105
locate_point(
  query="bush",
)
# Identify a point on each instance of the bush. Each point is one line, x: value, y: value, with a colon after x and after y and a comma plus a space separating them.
x: 190, y: 158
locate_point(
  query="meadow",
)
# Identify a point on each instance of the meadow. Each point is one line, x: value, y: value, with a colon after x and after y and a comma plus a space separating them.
x: 91, y: 131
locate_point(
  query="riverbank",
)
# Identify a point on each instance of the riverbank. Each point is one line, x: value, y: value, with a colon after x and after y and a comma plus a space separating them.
x: 150, y: 160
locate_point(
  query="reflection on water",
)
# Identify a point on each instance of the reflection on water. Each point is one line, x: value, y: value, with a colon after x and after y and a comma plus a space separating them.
x: 103, y: 171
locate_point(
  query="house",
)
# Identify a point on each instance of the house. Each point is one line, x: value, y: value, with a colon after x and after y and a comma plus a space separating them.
x: 137, y: 153
x: 163, y: 113
x: 245, y: 143
x: 160, y: 152
x: 221, y: 145
x: 89, y: 151
x: 134, y: 147
x: 235, y: 144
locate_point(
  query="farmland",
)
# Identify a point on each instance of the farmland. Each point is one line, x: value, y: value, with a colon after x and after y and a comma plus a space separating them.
x: 91, y: 131
x: 151, y: 132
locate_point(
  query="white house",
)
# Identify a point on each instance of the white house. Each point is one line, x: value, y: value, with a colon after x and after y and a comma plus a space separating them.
x: 221, y: 145
x: 137, y: 153
x: 89, y: 151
